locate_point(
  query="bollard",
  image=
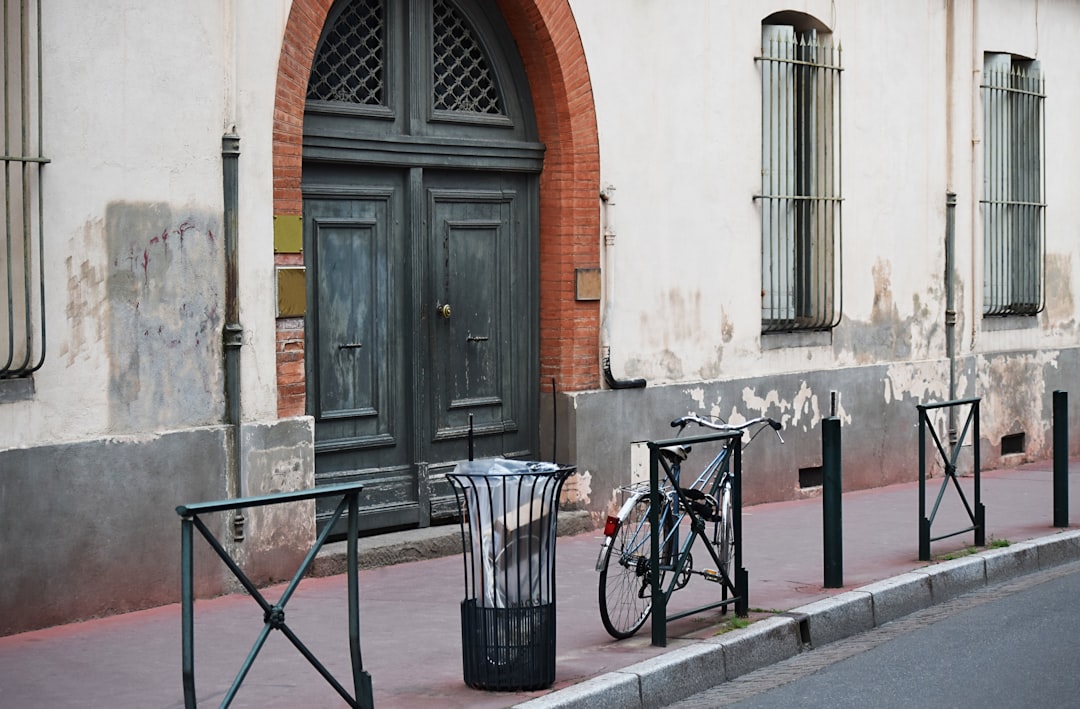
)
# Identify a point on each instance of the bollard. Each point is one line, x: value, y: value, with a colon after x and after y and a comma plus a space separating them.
x: 831, y: 503
x: 1061, y: 459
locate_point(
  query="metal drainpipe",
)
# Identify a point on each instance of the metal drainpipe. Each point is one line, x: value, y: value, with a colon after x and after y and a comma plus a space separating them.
x: 607, y: 196
x: 232, y: 334
x: 950, y: 306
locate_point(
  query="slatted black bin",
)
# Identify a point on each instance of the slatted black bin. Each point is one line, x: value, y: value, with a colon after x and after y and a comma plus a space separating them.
x: 508, y: 529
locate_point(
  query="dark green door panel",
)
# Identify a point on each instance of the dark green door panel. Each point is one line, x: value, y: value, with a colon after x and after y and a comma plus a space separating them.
x: 483, y: 357
x: 358, y: 366
x: 470, y: 364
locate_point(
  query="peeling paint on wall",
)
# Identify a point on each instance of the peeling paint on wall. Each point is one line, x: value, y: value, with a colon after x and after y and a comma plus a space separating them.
x: 888, y: 336
x: 918, y: 382
x: 86, y: 296
x: 164, y: 284
x: 1060, y: 311
x: 577, y: 490
x: 803, y: 411
x: 1024, y: 377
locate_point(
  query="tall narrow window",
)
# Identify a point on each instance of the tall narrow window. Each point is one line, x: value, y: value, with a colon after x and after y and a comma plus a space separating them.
x: 1013, y: 186
x: 22, y: 275
x: 800, y: 179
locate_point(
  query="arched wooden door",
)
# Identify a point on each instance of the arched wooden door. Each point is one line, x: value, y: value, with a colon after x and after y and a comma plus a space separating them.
x: 421, y: 229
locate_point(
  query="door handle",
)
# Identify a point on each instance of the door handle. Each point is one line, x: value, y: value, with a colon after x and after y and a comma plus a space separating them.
x: 443, y: 310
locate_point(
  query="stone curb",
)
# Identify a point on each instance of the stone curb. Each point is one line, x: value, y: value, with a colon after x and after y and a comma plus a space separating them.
x: 692, y: 668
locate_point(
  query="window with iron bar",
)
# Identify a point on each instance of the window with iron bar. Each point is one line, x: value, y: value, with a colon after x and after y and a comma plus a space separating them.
x: 1013, y: 186
x: 22, y: 351
x: 350, y: 66
x: 800, y: 196
x: 462, y: 77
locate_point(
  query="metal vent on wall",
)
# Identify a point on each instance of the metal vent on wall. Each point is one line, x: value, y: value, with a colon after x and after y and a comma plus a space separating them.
x: 462, y: 76
x: 350, y: 66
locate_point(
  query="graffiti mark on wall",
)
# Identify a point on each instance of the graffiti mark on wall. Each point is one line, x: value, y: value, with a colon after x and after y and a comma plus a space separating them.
x: 164, y: 294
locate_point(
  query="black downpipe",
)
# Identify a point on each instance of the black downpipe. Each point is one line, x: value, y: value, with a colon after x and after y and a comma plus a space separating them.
x: 232, y: 335
x: 554, y: 423
x: 950, y: 307
x: 614, y: 383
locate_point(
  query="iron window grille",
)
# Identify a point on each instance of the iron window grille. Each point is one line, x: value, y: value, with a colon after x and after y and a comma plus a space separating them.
x: 350, y: 71
x: 351, y: 63
x: 462, y: 77
x: 22, y: 257
x: 1013, y: 186
x: 800, y: 196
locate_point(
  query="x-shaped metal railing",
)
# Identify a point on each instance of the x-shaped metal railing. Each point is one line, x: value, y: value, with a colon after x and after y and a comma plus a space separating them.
x: 976, y: 513
x: 274, y: 614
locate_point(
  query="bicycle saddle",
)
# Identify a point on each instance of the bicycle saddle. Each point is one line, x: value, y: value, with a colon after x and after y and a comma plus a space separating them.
x: 675, y: 453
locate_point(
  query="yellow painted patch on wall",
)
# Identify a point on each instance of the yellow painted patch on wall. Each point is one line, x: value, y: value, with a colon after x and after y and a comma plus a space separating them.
x: 288, y: 234
x: 291, y: 291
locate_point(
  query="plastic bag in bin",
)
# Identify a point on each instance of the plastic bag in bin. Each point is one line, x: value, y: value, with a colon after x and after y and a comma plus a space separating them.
x: 511, y: 507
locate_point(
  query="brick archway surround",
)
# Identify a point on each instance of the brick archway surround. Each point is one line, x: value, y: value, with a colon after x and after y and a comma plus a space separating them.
x: 547, y: 37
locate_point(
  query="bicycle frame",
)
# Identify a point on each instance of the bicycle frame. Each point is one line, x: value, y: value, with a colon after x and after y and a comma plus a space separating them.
x: 717, y: 472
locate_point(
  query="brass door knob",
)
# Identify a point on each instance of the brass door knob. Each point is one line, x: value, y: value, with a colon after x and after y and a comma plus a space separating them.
x: 443, y: 310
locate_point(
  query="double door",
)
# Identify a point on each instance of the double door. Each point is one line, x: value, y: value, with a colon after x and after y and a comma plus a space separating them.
x: 422, y: 323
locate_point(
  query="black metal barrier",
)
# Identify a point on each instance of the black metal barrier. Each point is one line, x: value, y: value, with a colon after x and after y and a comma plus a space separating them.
x: 977, y: 514
x: 274, y: 614
x: 738, y: 586
x: 1061, y: 459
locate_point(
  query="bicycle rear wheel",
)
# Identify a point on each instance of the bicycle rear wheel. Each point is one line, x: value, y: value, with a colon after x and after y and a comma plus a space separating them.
x: 625, y: 581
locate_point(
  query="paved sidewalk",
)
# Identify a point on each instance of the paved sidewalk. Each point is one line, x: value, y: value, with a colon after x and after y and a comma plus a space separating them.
x: 411, y: 632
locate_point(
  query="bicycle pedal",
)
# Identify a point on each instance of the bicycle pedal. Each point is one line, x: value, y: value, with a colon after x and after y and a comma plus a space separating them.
x: 712, y: 575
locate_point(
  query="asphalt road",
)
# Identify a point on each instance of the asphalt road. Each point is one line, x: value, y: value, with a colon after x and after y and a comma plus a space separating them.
x: 1012, y: 645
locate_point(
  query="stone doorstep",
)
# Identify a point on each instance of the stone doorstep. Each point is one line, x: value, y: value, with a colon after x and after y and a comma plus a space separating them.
x: 419, y: 544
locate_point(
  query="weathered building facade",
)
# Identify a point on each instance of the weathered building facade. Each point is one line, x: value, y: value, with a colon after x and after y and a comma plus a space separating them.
x: 262, y: 245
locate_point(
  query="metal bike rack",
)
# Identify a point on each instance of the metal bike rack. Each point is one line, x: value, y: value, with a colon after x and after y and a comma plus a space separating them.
x: 738, y: 587
x: 274, y: 614
x: 977, y: 514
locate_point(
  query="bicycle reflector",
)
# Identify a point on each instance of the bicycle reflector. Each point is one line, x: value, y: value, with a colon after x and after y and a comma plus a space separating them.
x: 611, y: 526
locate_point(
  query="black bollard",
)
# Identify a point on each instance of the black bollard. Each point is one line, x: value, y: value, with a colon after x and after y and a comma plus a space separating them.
x: 1061, y: 459
x: 831, y: 506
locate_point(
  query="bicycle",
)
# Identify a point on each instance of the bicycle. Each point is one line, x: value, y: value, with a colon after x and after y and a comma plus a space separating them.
x: 625, y: 590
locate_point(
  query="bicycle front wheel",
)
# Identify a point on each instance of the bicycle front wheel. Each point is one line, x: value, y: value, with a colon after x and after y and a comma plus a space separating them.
x: 625, y: 580
x: 727, y: 533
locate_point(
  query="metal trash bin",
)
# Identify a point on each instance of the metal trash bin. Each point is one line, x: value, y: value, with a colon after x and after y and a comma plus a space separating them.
x: 508, y: 528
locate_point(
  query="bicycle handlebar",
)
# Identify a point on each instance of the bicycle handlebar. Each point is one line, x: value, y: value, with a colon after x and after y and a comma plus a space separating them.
x: 681, y: 422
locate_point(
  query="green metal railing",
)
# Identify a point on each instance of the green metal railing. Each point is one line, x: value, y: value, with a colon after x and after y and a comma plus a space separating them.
x: 976, y: 513
x: 274, y: 614
x: 737, y: 585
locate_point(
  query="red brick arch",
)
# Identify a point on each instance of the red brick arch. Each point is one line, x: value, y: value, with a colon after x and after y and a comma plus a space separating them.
x: 547, y: 37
